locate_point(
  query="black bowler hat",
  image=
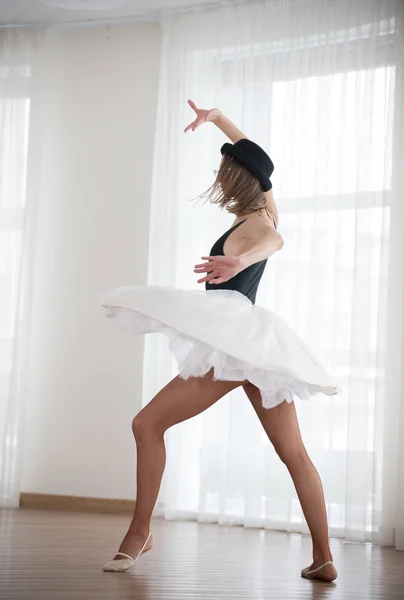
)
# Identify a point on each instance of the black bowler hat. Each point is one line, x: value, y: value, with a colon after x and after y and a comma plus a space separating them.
x: 254, y: 158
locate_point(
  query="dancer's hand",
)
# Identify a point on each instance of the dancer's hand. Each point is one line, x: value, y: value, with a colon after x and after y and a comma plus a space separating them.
x: 219, y: 268
x: 215, y: 116
x: 202, y: 116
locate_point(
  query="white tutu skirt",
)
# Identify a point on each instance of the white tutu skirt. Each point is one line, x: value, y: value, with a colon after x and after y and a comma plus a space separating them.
x: 222, y: 330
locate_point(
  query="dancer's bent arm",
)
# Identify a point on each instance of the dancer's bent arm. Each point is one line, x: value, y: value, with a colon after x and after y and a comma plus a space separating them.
x: 241, y: 251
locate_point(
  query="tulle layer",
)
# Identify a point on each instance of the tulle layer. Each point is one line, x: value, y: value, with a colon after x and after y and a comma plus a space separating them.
x: 223, y: 331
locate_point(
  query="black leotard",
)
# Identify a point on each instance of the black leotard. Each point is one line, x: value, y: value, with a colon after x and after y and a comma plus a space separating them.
x: 246, y: 282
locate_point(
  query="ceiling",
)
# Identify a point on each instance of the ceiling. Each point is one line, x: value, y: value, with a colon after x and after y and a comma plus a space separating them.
x: 49, y: 12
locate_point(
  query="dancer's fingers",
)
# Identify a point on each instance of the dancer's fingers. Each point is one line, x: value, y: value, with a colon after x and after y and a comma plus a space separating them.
x: 208, y: 277
x: 192, y: 105
x: 188, y: 127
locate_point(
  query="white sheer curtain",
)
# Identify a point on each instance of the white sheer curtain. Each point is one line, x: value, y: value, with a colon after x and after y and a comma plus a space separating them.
x: 317, y: 84
x: 17, y: 217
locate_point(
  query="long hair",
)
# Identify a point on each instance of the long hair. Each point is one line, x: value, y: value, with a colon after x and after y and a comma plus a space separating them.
x: 235, y: 188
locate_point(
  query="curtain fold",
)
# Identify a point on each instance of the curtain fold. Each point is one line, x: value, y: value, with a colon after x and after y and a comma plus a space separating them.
x: 17, y: 226
x: 319, y: 85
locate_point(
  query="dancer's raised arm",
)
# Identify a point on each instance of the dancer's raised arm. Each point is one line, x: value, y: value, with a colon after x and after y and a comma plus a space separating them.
x: 214, y: 115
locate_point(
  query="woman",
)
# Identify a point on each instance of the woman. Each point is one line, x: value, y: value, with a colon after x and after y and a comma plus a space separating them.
x: 223, y: 341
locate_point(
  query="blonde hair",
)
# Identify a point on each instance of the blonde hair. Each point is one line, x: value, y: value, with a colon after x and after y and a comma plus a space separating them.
x: 235, y: 189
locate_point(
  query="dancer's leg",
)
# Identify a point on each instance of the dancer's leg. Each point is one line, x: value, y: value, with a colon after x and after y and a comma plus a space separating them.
x: 179, y: 400
x: 282, y: 427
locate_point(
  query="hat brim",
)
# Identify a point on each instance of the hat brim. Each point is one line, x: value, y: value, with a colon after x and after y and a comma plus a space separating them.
x: 247, y: 162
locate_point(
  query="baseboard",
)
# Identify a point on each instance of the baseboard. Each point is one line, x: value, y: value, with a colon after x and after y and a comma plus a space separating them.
x: 76, y: 503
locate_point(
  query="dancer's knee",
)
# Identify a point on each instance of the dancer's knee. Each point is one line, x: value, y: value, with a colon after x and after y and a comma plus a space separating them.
x: 291, y: 453
x: 144, y: 428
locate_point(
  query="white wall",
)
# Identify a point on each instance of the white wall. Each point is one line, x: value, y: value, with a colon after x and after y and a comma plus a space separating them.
x: 85, y: 377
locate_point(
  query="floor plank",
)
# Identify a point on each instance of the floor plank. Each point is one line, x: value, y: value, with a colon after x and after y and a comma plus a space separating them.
x: 52, y: 555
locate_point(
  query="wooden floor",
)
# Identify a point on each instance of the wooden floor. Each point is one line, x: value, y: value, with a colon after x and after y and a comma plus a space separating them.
x: 51, y: 555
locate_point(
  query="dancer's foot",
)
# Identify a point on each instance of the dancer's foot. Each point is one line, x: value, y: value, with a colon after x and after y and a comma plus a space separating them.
x: 132, y: 547
x: 323, y: 570
x: 132, y: 544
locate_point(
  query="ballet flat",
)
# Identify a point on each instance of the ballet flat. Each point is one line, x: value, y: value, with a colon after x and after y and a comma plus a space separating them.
x: 308, y: 574
x: 125, y: 563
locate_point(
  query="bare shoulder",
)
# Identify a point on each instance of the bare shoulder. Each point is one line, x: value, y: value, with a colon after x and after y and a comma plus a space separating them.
x: 257, y: 225
x: 255, y: 230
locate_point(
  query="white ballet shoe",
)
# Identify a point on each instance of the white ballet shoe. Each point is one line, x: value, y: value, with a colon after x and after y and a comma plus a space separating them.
x: 125, y: 563
x: 310, y: 573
